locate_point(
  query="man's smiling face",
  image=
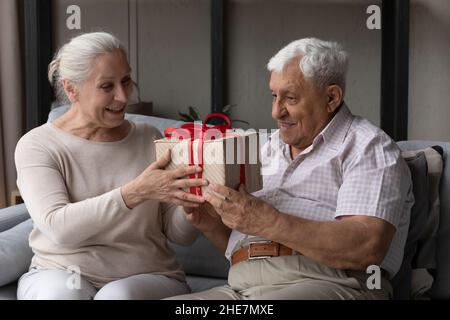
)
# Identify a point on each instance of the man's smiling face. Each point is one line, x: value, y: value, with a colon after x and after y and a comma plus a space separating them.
x: 299, y: 107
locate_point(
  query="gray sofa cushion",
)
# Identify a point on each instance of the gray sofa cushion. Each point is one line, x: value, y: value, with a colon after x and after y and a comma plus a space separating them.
x: 419, y: 214
x: 15, y: 253
x: 159, y: 123
x: 12, y: 216
x: 441, y: 288
x: 202, y: 259
x: 9, y: 292
x: 198, y: 284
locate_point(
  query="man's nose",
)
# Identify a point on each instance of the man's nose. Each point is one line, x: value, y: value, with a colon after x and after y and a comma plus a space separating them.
x: 278, y: 109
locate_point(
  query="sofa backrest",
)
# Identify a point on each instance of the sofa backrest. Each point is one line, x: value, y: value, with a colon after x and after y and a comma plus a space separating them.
x: 159, y: 123
x: 441, y: 285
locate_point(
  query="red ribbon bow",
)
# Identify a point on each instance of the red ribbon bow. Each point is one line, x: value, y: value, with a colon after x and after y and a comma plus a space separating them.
x: 193, y: 131
x: 197, y: 131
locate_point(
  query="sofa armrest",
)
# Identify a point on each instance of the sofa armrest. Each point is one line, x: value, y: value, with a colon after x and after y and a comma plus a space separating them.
x: 12, y: 216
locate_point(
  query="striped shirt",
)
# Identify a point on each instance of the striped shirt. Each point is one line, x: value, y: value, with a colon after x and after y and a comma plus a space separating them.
x: 351, y: 168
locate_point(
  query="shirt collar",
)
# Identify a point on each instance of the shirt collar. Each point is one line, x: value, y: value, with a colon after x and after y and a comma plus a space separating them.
x: 336, y: 130
x: 333, y: 134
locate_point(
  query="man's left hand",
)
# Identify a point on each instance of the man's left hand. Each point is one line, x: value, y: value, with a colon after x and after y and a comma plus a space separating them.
x: 240, y: 210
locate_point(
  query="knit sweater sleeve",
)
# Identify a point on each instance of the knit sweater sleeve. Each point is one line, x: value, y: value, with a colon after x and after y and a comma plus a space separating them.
x: 44, y: 191
x: 176, y: 227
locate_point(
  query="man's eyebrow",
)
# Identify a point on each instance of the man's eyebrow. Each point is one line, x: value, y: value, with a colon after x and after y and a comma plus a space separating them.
x: 288, y: 88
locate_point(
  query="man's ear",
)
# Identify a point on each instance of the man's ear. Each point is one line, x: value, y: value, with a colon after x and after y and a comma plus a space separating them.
x: 335, y: 97
x: 70, y: 90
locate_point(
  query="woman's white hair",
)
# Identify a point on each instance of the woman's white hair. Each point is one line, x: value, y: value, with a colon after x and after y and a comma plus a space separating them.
x: 73, y: 61
x: 323, y: 62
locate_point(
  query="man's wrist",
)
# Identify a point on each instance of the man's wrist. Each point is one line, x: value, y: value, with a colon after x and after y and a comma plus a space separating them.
x: 274, y: 221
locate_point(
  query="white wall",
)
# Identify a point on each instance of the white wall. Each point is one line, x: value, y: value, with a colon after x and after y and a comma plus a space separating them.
x: 429, y: 65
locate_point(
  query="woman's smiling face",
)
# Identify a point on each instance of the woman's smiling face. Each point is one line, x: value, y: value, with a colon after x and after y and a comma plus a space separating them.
x: 102, y: 98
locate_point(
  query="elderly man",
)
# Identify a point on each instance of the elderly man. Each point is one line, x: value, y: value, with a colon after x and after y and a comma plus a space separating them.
x: 336, y: 202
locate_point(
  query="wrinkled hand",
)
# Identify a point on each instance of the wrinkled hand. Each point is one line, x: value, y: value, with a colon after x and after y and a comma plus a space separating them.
x: 240, y: 210
x: 155, y: 183
x: 204, y: 218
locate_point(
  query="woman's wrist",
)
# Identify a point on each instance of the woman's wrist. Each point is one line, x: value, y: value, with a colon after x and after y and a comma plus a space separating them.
x: 131, y: 195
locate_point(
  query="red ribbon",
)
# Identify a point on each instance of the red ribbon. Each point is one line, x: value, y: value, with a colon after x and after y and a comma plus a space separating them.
x: 202, y: 132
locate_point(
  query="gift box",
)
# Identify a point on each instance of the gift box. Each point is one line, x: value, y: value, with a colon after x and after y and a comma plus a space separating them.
x: 228, y: 157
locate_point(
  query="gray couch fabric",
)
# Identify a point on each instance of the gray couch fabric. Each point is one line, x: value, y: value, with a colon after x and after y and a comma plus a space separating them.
x: 205, y: 267
x: 441, y: 286
x: 207, y: 260
x: 418, y: 167
x: 15, y: 253
x: 158, y: 123
x: 9, y: 292
x: 12, y: 216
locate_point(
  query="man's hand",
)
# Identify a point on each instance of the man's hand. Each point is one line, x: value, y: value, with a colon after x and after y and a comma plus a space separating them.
x: 240, y: 210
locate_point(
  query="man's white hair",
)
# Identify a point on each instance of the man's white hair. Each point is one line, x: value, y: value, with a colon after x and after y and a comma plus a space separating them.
x: 323, y: 62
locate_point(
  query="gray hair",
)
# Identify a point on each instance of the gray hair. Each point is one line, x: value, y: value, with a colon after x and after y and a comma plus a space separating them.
x: 322, y: 62
x: 73, y: 61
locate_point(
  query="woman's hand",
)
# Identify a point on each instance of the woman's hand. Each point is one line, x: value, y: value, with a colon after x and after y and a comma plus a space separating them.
x: 163, y: 185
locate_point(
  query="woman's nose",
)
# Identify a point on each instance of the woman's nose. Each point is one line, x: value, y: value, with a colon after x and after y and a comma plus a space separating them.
x: 121, y: 95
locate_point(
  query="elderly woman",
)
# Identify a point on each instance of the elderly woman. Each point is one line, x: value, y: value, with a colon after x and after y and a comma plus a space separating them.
x: 103, y: 208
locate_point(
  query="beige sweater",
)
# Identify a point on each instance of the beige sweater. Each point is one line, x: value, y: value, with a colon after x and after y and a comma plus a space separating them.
x: 71, y: 187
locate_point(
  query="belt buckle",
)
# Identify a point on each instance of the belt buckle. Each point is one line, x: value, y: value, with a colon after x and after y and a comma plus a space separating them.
x: 250, y: 248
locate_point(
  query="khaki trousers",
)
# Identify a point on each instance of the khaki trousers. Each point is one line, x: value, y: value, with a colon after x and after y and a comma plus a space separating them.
x: 293, y: 277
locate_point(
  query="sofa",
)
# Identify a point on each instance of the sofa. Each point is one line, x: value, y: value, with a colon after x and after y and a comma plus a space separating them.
x: 205, y: 267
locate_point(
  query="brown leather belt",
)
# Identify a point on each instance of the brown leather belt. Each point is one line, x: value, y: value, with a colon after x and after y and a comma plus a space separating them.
x: 269, y: 249
x: 260, y: 250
